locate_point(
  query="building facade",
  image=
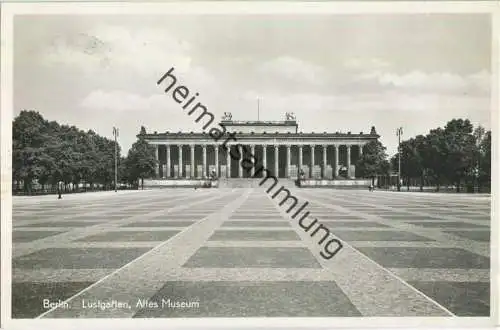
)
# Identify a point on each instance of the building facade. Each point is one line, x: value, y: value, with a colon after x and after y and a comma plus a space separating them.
x: 277, y: 146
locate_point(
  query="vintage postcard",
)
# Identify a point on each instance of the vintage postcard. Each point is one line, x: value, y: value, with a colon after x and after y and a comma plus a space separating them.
x: 226, y: 164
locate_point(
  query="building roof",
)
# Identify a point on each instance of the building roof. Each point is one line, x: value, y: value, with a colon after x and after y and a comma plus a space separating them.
x: 263, y: 134
x: 258, y: 123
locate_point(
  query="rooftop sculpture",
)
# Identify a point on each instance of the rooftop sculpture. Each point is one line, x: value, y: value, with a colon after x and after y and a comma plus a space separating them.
x: 227, y: 116
x: 290, y: 116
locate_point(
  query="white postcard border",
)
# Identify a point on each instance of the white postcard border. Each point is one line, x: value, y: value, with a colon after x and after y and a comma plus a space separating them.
x: 306, y: 8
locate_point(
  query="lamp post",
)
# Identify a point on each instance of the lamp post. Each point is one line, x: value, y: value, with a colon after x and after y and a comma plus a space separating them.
x: 399, y: 132
x: 115, y: 134
x: 475, y: 188
x: 480, y: 134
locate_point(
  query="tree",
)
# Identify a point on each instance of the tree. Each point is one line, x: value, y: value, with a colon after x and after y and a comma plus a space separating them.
x: 373, y: 162
x: 29, y: 138
x: 46, y: 152
x: 409, y: 161
x: 141, y: 160
x: 124, y: 175
x: 484, y: 166
x: 412, y: 160
x: 420, y: 145
x: 461, y: 148
x: 434, y: 155
x: 446, y: 155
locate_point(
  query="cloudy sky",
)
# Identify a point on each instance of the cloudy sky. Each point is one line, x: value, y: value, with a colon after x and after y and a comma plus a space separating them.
x: 336, y: 72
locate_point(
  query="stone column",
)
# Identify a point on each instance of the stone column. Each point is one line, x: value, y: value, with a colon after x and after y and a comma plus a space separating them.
x: 264, y: 159
x: 192, y: 161
x: 276, y: 161
x: 204, y: 161
x: 324, y: 162
x: 299, y: 166
x: 252, y: 171
x: 228, y: 162
x: 360, y: 150
x: 180, y: 160
x: 288, y: 160
x: 168, y: 161
x: 336, y: 161
x: 240, y: 168
x: 216, y: 150
x: 312, y: 162
x: 157, y: 159
x: 348, y: 160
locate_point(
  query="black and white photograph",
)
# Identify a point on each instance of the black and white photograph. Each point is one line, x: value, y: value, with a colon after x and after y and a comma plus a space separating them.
x: 244, y: 163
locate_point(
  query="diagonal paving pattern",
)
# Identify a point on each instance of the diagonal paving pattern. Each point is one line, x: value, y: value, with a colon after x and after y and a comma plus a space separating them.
x: 236, y: 252
x: 459, y: 265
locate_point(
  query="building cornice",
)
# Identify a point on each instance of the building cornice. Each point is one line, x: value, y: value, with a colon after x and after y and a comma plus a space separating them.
x: 261, y: 139
x: 193, y: 135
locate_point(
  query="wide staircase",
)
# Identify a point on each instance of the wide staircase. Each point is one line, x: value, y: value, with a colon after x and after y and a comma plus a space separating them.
x: 254, y: 182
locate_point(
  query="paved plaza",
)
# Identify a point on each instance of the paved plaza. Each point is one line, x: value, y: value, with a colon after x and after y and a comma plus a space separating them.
x: 236, y: 252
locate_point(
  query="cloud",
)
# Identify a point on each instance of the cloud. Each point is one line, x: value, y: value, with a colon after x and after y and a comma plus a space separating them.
x: 309, y: 104
x: 79, y: 51
x: 291, y: 68
x: 364, y: 64
x: 123, y: 101
x: 139, y: 57
x: 435, y: 82
x: 143, y: 51
x: 481, y: 79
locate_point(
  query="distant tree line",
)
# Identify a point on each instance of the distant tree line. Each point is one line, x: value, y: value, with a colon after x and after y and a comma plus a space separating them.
x: 45, y: 153
x: 458, y: 155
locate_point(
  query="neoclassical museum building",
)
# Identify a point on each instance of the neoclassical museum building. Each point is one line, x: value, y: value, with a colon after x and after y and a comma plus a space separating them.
x: 278, y: 146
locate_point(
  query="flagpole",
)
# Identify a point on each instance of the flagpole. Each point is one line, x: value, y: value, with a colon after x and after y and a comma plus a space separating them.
x: 258, y: 109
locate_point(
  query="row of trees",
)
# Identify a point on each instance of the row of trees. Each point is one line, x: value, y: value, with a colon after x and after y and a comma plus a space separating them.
x: 45, y: 153
x: 458, y: 155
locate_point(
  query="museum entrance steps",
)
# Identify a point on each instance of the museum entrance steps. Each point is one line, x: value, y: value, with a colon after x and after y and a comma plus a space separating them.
x: 253, y: 182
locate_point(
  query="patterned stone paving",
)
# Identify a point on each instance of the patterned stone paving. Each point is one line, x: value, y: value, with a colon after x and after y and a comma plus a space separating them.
x: 236, y: 252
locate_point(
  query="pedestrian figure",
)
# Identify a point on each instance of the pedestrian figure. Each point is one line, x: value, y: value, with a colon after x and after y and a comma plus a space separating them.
x: 300, y: 177
x: 59, y: 189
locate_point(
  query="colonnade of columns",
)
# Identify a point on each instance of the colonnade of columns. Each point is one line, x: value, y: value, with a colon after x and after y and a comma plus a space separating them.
x: 166, y: 164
